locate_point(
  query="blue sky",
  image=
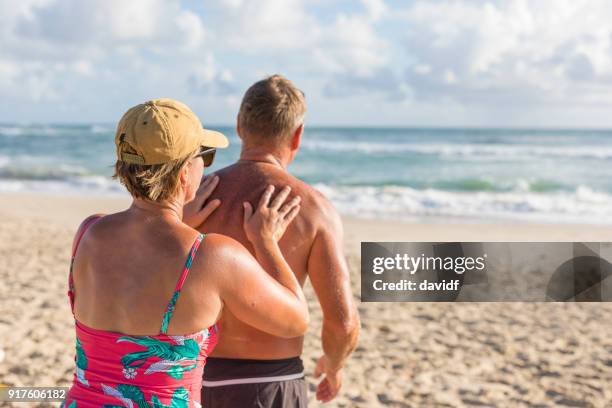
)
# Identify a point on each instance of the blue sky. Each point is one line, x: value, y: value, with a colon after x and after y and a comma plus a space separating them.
x: 372, y: 62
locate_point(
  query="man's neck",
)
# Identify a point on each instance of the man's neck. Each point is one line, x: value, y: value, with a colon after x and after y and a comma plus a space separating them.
x: 263, y: 155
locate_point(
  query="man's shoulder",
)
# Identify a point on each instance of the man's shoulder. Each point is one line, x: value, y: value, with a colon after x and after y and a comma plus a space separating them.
x: 315, y: 205
x: 304, y: 188
x: 310, y: 195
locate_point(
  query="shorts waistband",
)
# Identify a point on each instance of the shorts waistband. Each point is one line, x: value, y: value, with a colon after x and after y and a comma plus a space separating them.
x: 230, y: 371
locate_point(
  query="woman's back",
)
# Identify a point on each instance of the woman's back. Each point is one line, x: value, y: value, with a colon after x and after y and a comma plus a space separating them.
x: 126, y: 269
x: 148, y: 366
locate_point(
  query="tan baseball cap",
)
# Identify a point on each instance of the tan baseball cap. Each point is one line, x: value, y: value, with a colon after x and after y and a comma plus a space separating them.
x: 160, y: 131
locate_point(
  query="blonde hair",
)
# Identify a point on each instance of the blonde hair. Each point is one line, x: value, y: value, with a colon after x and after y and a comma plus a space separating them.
x: 271, y: 109
x: 157, y: 182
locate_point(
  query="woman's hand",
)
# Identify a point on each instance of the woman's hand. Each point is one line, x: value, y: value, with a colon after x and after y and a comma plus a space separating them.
x: 195, y: 212
x: 270, y: 220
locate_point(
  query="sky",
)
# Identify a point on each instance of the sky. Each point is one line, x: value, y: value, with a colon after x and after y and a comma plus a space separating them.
x: 513, y: 63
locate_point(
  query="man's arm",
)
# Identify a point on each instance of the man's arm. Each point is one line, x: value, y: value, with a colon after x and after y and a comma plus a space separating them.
x: 330, y: 279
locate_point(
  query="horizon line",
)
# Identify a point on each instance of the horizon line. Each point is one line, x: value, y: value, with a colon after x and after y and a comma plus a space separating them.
x: 343, y: 126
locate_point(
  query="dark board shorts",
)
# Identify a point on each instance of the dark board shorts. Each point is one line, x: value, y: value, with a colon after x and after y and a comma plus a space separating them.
x: 232, y: 383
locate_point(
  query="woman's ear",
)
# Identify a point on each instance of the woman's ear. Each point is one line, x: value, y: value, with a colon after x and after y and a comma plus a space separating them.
x: 184, y: 176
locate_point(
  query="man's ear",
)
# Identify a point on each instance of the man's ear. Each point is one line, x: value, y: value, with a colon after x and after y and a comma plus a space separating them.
x: 238, y: 126
x: 297, y: 137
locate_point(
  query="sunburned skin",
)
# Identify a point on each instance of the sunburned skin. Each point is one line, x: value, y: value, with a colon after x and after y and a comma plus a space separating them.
x: 312, y: 246
x: 270, y: 124
x: 128, y: 263
x: 241, y: 340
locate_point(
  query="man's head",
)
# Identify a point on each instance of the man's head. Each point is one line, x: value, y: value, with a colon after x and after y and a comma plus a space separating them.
x: 272, y: 115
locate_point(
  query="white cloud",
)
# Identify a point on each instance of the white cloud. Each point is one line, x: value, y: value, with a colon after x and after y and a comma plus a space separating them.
x: 351, y: 46
x: 191, y: 27
x: 284, y: 28
x: 88, y: 37
x: 266, y: 25
x: 544, y: 50
x: 473, y: 56
x: 101, y: 23
x: 422, y: 69
x: 450, y: 77
x: 208, y: 79
x: 376, y: 9
x: 77, y: 38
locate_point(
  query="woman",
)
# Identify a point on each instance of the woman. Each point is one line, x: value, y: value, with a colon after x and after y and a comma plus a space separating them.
x: 146, y: 289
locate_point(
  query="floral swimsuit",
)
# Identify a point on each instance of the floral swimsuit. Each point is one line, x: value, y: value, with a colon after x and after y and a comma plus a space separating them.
x: 120, y: 370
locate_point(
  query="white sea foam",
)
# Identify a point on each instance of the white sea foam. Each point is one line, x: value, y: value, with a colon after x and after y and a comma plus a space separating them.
x: 496, y: 151
x: 76, y: 185
x: 11, y: 130
x: 581, y: 205
x: 470, y: 174
x: 395, y: 202
x: 101, y: 129
x: 39, y: 130
x: 31, y: 169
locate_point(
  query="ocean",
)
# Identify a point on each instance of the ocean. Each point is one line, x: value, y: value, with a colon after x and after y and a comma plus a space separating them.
x: 405, y: 173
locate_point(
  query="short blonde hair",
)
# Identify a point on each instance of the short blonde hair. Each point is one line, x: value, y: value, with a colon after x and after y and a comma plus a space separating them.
x: 157, y: 182
x: 271, y: 109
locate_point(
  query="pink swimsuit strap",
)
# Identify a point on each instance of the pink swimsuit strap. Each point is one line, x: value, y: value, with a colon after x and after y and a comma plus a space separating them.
x: 88, y: 223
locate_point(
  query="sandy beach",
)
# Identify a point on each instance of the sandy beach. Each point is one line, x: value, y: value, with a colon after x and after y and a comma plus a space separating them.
x: 409, y: 354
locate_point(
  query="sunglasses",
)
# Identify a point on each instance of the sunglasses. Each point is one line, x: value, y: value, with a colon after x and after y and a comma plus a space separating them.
x: 208, y: 155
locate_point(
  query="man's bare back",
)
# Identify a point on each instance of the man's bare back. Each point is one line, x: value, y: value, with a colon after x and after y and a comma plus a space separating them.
x: 270, y: 124
x: 245, y: 181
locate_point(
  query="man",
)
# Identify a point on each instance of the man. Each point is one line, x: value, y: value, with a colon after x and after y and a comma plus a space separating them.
x: 250, y: 368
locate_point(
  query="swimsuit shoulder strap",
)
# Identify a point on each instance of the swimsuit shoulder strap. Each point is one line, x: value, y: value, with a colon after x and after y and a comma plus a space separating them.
x: 179, y: 285
x: 85, y: 226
